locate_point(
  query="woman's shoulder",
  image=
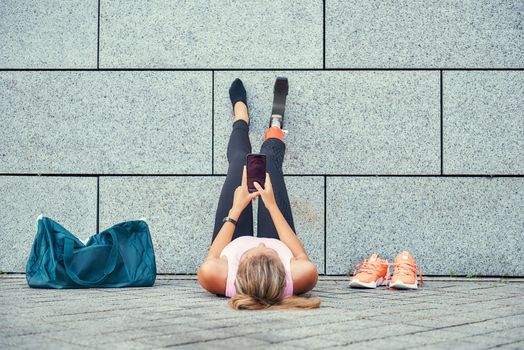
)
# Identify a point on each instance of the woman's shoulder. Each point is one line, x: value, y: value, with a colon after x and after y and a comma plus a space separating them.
x: 212, y: 275
x: 304, y: 274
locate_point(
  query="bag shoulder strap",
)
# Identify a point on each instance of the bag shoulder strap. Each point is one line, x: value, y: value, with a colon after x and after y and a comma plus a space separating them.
x: 110, y: 264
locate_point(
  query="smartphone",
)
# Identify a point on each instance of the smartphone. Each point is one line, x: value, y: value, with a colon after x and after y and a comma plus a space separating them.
x: 256, y: 170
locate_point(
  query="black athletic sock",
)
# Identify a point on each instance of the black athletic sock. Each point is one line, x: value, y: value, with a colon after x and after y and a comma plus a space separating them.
x: 237, y: 92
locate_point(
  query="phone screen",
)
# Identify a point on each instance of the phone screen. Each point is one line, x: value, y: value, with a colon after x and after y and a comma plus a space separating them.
x: 256, y: 171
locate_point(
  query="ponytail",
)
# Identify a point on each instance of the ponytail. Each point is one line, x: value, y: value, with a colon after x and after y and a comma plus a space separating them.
x: 247, y: 302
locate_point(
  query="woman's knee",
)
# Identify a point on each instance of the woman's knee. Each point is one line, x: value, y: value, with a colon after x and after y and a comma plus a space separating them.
x: 274, y: 147
x: 275, y: 133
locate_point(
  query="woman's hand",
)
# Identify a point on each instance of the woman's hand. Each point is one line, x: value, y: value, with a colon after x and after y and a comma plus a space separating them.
x: 267, y: 194
x: 242, y: 196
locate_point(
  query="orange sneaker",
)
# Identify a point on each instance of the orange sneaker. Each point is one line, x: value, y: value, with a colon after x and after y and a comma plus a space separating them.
x: 405, y: 272
x: 373, y: 272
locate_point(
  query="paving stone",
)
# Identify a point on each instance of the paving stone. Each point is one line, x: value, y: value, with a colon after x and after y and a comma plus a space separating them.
x: 116, y: 320
x: 211, y: 34
x: 296, y: 332
x: 487, y: 341
x: 420, y: 34
x: 483, y: 122
x: 31, y: 342
x: 466, y: 323
x: 101, y: 339
x: 54, y: 34
x: 127, y: 345
x: 70, y: 201
x: 276, y: 347
x: 233, y: 343
x: 518, y: 345
x: 394, y: 344
x: 85, y: 122
x: 180, y: 212
x: 510, y: 334
x: 315, y: 342
x: 341, y: 122
x: 185, y: 338
x: 461, y: 225
x: 426, y: 344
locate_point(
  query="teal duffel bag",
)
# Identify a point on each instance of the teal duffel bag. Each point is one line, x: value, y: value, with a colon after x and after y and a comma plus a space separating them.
x: 121, y: 256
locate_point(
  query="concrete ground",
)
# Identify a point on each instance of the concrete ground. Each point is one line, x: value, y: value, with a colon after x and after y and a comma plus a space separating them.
x: 176, y: 312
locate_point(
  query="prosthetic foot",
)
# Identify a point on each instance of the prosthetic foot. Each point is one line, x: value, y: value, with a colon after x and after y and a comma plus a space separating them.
x: 279, y: 102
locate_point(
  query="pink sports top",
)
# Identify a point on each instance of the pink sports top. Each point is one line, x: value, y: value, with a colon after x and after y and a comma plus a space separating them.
x: 234, y: 250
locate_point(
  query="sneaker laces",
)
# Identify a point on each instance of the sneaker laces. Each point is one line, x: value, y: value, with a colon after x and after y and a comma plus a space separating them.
x: 407, y: 268
x: 367, y: 266
x: 370, y: 267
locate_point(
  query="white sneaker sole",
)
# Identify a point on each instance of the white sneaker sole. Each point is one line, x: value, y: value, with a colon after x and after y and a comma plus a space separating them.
x: 370, y: 285
x: 401, y: 285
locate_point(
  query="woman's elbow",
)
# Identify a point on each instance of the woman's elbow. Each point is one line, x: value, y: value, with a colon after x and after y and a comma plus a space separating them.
x: 312, y: 276
x: 308, y: 278
x: 203, y: 275
x: 210, y: 279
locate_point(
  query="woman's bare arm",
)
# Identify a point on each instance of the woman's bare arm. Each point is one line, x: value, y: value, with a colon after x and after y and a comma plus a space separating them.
x: 304, y: 274
x: 286, y: 233
x: 212, y: 275
x: 241, y: 199
x: 224, y: 236
x: 303, y: 271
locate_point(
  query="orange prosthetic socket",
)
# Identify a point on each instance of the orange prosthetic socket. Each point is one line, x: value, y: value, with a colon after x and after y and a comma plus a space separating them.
x: 274, y: 132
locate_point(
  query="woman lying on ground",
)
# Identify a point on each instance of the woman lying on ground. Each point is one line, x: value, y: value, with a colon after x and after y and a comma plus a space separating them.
x: 267, y: 271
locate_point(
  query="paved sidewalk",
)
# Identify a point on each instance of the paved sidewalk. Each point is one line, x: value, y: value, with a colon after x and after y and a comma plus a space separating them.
x: 458, y: 314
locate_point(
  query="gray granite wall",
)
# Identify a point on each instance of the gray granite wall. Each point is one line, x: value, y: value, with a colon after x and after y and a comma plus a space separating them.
x: 405, y: 124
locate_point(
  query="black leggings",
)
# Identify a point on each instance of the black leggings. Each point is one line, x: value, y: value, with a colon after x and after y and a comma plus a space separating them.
x: 237, y: 149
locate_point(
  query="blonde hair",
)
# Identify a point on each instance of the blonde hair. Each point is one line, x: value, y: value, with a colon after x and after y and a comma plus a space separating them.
x: 260, y: 284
